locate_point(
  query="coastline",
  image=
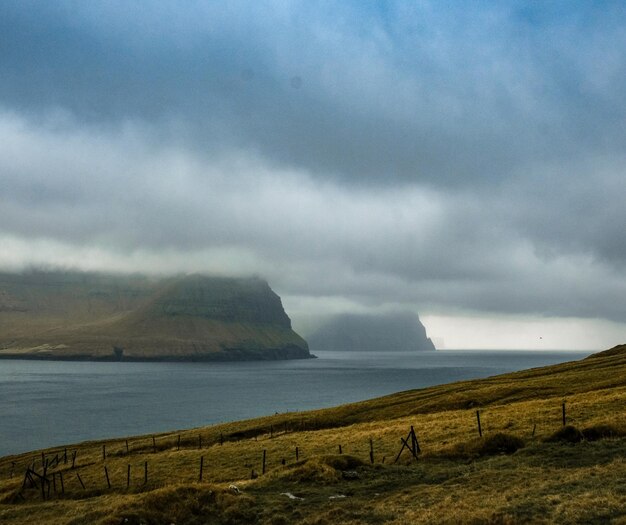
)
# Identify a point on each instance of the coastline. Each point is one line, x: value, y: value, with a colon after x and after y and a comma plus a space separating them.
x: 227, y: 355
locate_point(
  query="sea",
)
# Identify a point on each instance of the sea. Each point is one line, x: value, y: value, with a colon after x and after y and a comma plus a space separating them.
x: 51, y: 403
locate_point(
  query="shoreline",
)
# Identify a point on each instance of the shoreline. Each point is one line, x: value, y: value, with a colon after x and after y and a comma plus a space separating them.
x: 231, y: 355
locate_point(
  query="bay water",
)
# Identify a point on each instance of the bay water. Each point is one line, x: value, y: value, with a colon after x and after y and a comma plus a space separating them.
x: 52, y: 403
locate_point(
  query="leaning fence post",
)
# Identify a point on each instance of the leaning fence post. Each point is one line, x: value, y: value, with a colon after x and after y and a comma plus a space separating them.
x: 264, y: 453
x: 480, y: 430
x: 128, y: 476
x: 563, y: 413
x: 104, y: 452
x: 296, y: 453
x: 201, y: 467
x: 106, y: 474
x: 145, y: 473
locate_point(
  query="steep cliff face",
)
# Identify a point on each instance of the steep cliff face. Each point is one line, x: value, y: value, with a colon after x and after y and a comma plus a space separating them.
x: 400, y: 331
x: 90, y: 316
x: 226, y: 300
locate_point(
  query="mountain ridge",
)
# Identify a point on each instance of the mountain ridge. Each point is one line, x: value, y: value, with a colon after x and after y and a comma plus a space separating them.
x: 75, y: 315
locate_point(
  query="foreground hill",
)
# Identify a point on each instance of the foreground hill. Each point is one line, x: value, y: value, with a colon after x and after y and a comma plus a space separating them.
x: 337, y: 465
x: 56, y: 315
x: 396, y: 331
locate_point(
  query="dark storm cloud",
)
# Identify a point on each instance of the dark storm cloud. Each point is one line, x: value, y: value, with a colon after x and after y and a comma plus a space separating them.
x: 381, y: 152
x: 444, y: 95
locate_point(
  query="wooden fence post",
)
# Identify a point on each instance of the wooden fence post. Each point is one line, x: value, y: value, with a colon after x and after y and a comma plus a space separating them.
x: 201, y: 467
x: 563, y: 413
x: 128, y: 476
x: 480, y: 430
x: 371, y: 451
x: 296, y: 453
x: 145, y: 473
x: 264, y: 453
x: 104, y: 452
x: 106, y: 474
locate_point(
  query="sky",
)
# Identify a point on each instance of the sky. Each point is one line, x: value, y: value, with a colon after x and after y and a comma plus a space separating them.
x: 463, y: 160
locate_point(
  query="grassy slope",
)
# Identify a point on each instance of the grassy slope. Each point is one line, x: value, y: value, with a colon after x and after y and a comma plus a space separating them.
x: 453, y: 481
x: 82, y: 314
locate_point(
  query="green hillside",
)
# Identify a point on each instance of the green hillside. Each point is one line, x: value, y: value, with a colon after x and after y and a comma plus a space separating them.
x: 338, y: 465
x: 91, y: 316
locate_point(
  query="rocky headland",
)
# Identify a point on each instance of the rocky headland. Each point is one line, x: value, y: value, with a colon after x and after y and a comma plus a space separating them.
x: 395, y: 331
x: 90, y: 316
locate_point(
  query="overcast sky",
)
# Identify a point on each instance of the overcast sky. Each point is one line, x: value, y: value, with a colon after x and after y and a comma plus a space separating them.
x: 465, y: 160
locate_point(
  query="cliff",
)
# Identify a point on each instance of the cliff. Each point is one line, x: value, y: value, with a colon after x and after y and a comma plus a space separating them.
x: 400, y: 331
x: 71, y: 315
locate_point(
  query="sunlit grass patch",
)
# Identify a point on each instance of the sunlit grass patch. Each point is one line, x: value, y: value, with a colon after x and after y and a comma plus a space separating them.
x: 526, y: 466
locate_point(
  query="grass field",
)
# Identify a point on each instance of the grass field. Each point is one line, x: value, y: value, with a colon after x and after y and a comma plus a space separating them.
x: 526, y: 467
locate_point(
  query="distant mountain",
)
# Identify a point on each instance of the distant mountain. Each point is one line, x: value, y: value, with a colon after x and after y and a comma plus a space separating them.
x: 400, y: 331
x: 75, y: 315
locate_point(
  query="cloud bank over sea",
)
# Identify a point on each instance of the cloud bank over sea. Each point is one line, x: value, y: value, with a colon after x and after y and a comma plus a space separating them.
x: 467, y: 164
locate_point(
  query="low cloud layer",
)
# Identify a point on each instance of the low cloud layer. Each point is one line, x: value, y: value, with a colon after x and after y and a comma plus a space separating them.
x: 443, y: 159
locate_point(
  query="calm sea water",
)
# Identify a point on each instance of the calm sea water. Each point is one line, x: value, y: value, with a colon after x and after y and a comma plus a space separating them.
x: 45, y: 404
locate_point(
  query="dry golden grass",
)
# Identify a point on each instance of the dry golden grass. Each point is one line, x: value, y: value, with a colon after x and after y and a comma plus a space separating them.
x: 460, y: 477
